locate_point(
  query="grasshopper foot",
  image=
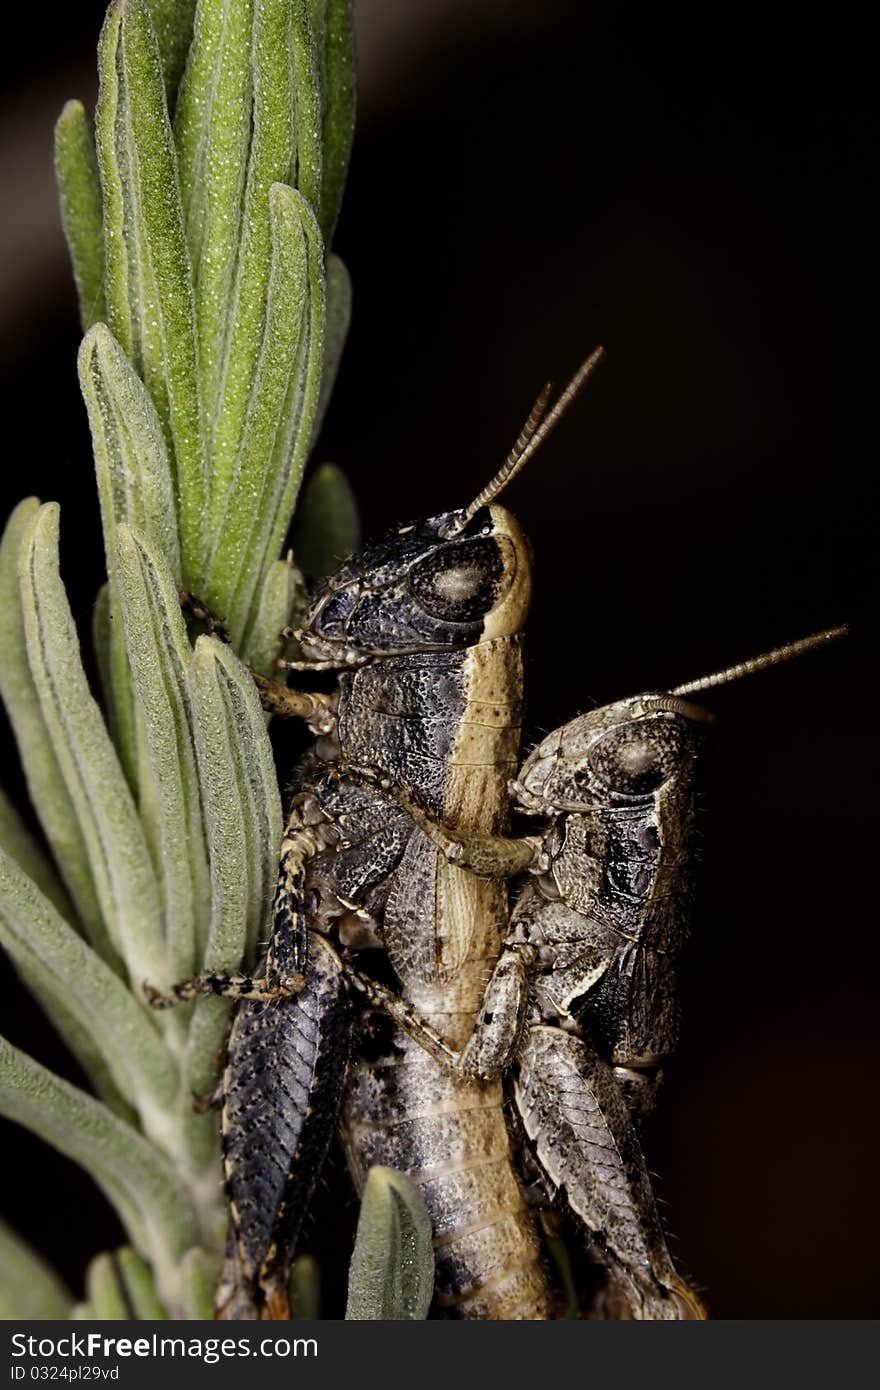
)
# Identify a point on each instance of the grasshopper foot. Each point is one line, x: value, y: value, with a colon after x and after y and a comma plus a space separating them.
x: 226, y: 987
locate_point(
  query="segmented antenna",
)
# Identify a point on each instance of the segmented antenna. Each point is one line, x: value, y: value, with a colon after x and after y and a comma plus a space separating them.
x: 760, y: 663
x: 531, y: 437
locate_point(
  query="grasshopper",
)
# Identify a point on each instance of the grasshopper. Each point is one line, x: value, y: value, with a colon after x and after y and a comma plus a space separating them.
x: 424, y: 626
x: 582, y: 1005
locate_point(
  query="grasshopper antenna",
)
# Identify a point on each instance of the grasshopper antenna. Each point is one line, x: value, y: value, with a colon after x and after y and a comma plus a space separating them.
x: 761, y: 663
x: 535, y: 430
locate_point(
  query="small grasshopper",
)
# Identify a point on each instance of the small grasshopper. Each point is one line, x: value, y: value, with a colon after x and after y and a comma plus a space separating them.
x: 424, y: 626
x: 582, y: 1004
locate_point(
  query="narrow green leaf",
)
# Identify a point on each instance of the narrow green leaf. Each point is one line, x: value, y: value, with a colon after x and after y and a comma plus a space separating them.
x: 278, y: 424
x: 131, y: 458
x: 16, y: 842
x: 561, y: 1258
x: 21, y: 847
x: 46, y: 786
x: 148, y: 281
x: 103, y: 1290
x: 248, y: 741
x: 140, y: 1183
x: 212, y: 126
x: 391, y: 1276
x: 335, y: 333
x: 117, y: 695
x: 173, y: 24
x: 140, y: 1288
x: 292, y: 443
x: 305, y: 1288
x: 134, y: 485
x: 326, y: 528
x: 198, y: 1275
x: 243, y: 821
x: 308, y: 67
x: 77, y: 1038
x: 102, y: 802
x: 272, y: 155
x: 339, y: 106
x: 59, y: 964
x: 282, y: 601
x: 28, y: 1287
x: 79, y: 188
x: 160, y: 656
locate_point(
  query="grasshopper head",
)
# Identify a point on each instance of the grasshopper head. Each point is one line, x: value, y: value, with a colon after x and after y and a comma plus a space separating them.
x: 442, y: 584
x: 430, y: 585
x: 621, y: 755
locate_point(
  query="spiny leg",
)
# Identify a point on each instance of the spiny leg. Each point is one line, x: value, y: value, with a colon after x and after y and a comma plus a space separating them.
x: 490, y: 856
x: 222, y: 986
x: 317, y: 709
x: 288, y: 945
x: 283, y: 1084
x: 492, y: 1045
x: 574, y: 1112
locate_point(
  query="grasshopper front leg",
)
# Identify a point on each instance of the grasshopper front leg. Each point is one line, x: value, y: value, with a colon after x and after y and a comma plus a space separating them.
x: 492, y: 1046
x: 488, y: 856
x: 318, y: 710
x: 287, y: 954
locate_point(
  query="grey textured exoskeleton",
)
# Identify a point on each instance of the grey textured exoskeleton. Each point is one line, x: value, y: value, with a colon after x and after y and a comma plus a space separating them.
x: 424, y: 626
x: 583, y: 1003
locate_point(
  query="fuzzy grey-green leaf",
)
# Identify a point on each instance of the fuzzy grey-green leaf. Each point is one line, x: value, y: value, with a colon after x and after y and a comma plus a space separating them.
x: 308, y: 66
x: 339, y: 107
x: 79, y: 188
x: 199, y: 1276
x: 103, y: 1289
x: 337, y: 321
x: 148, y: 280
x: 243, y: 823
x: 17, y: 841
x: 141, y: 1184
x: 326, y: 528
x: 60, y: 964
x: 28, y: 1287
x: 212, y: 127
x: 278, y: 425
x: 140, y: 1288
x: 159, y: 653
x: 134, y: 485
x: 131, y: 459
x: 46, y: 785
x: 282, y: 601
x: 391, y: 1276
x: 173, y: 25
x: 272, y: 154
x: 305, y: 1288
x: 103, y: 806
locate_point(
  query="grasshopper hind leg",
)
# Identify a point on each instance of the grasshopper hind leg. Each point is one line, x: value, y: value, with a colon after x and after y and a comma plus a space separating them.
x: 575, y: 1115
x: 283, y: 1086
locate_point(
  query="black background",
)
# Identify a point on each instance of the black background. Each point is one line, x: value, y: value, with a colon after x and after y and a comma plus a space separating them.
x: 693, y: 187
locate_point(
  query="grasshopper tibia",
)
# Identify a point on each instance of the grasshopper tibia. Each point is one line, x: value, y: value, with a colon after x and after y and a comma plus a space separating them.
x: 226, y: 987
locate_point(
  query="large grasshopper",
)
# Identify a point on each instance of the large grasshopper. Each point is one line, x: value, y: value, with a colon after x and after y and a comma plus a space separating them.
x: 582, y: 1006
x: 424, y: 626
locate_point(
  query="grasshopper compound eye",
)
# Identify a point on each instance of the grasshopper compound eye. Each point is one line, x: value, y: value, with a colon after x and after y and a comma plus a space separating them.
x: 460, y: 582
x: 636, y: 759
